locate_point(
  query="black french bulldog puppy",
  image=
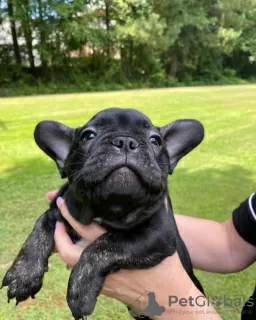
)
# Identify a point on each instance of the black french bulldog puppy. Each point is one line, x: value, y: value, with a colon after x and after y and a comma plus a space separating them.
x: 117, y: 167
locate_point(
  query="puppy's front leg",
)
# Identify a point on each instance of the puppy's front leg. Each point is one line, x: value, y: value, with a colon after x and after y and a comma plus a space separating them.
x: 109, y: 253
x: 25, y: 276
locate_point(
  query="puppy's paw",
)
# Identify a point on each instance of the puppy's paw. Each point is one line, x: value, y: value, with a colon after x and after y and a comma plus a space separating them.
x: 24, y: 279
x: 81, y: 304
x: 83, y: 289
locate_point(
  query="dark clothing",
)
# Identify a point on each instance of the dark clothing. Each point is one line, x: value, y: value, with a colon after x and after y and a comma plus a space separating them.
x: 244, y: 218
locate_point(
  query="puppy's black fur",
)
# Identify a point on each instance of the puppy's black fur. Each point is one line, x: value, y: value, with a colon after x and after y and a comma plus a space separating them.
x: 117, y: 167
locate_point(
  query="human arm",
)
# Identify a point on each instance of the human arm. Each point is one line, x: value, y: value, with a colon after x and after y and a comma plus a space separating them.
x: 217, y: 246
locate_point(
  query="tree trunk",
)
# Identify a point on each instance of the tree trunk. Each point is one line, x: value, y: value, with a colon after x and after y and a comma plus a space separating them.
x: 42, y: 34
x: 123, y: 62
x: 171, y: 64
x: 26, y: 27
x: 107, y: 21
x: 130, y: 59
x: 174, y: 65
x: 16, y: 48
x: 29, y: 39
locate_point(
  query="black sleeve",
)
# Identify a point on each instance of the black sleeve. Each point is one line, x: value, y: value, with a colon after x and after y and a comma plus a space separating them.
x: 244, y: 218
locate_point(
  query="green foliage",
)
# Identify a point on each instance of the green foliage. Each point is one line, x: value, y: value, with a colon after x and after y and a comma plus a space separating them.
x: 118, y: 41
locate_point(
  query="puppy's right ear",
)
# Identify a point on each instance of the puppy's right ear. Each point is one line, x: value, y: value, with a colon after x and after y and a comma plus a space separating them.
x: 55, y: 139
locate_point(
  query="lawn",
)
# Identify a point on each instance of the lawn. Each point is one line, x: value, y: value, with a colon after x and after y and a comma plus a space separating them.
x: 208, y: 183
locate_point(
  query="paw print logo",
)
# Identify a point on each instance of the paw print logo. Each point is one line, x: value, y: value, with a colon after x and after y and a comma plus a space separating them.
x: 216, y: 301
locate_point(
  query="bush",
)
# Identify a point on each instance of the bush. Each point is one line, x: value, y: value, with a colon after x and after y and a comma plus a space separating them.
x: 83, y: 75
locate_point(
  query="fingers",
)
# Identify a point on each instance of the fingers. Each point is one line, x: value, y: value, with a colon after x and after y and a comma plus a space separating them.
x: 69, y: 252
x: 51, y: 195
x: 90, y: 232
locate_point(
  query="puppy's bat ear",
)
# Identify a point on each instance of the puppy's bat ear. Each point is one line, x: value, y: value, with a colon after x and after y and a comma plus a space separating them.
x: 181, y: 137
x: 55, y: 139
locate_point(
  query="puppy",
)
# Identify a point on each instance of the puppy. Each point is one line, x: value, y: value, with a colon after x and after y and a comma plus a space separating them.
x: 117, y: 167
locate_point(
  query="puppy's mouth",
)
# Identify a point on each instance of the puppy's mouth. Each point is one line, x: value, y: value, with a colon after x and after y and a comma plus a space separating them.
x: 124, y: 171
x: 122, y: 179
x: 120, y: 192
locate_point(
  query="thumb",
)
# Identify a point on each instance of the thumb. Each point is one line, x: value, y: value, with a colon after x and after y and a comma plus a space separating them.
x: 89, y: 232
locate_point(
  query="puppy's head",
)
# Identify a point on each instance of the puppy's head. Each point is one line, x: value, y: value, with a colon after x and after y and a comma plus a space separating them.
x: 119, y: 161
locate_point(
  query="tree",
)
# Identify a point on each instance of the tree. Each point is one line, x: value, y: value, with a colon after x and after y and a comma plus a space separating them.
x: 24, y: 17
x: 141, y: 40
x: 12, y: 20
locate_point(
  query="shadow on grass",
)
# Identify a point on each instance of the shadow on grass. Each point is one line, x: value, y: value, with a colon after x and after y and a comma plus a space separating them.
x: 23, y: 186
x: 29, y: 175
x: 211, y: 192
x: 32, y: 166
x: 3, y: 125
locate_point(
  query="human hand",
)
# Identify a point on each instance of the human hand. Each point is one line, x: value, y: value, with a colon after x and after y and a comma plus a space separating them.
x: 127, y: 286
x: 70, y: 252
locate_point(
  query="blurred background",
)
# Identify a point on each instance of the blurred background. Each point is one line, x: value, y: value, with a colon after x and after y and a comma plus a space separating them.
x: 54, y: 52
x: 49, y: 46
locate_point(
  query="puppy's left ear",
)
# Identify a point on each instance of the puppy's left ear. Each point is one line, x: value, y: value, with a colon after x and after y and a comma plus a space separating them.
x: 181, y: 137
x: 55, y: 139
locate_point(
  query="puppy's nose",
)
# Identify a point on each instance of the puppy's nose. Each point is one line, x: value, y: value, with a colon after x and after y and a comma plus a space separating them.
x: 125, y: 143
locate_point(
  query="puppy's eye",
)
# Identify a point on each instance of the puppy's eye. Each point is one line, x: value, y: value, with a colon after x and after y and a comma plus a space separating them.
x: 156, y: 140
x: 88, y: 135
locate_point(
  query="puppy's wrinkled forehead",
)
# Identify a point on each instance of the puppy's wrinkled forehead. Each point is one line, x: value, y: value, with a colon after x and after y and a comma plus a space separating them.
x: 116, y: 119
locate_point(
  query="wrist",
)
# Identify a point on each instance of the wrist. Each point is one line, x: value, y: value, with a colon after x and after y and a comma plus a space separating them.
x: 134, y: 287
x: 188, y: 303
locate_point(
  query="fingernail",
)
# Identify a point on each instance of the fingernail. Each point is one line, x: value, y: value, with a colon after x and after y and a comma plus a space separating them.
x: 60, y: 202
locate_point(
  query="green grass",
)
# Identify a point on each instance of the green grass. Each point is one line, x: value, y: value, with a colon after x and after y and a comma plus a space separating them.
x: 208, y: 183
